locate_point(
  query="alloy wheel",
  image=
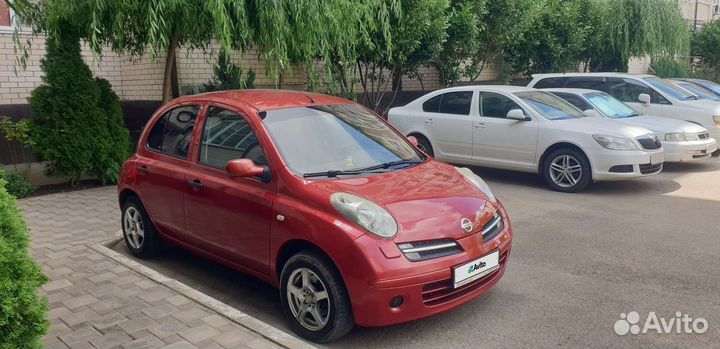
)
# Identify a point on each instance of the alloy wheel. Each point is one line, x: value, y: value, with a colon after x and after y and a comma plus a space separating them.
x: 308, y: 299
x: 134, y: 227
x: 566, y: 171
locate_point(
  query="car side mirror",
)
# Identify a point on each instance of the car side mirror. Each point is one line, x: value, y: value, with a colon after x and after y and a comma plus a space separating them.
x: 247, y: 168
x: 517, y: 114
x: 413, y: 141
x: 644, y: 98
x: 591, y: 113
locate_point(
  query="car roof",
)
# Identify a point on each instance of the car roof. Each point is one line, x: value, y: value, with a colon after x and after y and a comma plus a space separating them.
x: 499, y: 88
x: 578, y: 91
x: 266, y: 99
x: 608, y: 74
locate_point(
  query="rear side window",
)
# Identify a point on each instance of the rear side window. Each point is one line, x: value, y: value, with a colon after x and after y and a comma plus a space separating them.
x: 574, y: 100
x: 228, y: 136
x: 588, y: 82
x: 432, y: 105
x: 551, y: 82
x: 172, y: 133
x: 450, y: 103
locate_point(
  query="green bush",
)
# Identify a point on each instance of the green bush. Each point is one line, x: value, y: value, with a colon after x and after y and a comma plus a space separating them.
x: 77, y: 122
x: 668, y: 67
x: 16, y: 184
x: 22, y: 310
x: 229, y: 76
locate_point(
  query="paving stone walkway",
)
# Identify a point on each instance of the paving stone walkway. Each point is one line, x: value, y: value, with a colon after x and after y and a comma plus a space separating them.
x: 96, y: 302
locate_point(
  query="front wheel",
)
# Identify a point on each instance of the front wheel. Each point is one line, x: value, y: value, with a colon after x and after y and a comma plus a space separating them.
x: 567, y: 170
x: 314, y: 298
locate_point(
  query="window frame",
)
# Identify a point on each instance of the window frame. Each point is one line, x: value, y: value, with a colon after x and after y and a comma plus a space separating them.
x: 201, y: 130
x: 191, y: 147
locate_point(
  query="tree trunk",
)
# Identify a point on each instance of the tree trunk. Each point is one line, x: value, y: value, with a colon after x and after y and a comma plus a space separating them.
x: 169, y: 69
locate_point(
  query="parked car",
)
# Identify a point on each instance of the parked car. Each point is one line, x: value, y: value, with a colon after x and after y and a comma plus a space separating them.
x: 320, y: 197
x: 682, y: 140
x: 710, y: 85
x: 701, y: 92
x: 524, y: 129
x: 646, y: 93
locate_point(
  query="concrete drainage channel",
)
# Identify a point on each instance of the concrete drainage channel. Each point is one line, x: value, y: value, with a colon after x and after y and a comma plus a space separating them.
x: 262, y: 328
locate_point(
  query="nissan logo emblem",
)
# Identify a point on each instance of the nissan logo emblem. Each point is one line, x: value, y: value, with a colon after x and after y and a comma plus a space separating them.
x: 466, y: 225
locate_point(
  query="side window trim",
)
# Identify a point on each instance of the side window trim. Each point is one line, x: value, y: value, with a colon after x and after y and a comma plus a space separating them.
x: 206, y: 114
x: 191, y: 150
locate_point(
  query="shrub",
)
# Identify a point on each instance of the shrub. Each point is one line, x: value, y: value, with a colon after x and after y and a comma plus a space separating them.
x: 668, y: 67
x: 22, y: 310
x: 76, y: 124
x: 16, y: 184
x: 229, y: 76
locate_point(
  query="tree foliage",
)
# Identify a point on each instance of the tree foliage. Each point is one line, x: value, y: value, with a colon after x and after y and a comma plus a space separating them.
x: 77, y: 123
x: 22, y: 310
x: 229, y: 76
x: 706, y: 45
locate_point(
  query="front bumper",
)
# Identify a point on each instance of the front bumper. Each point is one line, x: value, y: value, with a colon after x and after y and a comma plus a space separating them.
x: 426, y: 286
x: 609, y: 165
x: 689, y: 150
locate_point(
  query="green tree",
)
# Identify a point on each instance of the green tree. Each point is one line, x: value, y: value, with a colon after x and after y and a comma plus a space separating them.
x: 22, y: 319
x: 418, y: 32
x: 283, y: 32
x: 77, y: 123
x: 706, y: 45
x: 465, y: 26
x: 634, y: 28
x: 229, y: 76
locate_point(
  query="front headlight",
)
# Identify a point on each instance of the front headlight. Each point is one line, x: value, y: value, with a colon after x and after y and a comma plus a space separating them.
x: 477, y: 182
x: 716, y: 119
x: 365, y: 213
x: 616, y: 143
x: 674, y: 137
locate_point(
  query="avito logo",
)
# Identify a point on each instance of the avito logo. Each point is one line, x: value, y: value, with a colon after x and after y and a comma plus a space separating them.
x: 681, y: 323
x: 476, y: 266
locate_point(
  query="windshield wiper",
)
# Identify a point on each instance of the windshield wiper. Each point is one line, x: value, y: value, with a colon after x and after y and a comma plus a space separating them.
x: 386, y: 165
x: 692, y: 98
x: 357, y: 171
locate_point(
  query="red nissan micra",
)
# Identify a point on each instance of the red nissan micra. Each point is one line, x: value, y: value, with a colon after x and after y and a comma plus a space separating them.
x: 320, y: 197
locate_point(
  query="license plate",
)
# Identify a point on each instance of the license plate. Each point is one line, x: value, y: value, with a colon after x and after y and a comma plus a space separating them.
x: 656, y: 158
x: 476, y: 269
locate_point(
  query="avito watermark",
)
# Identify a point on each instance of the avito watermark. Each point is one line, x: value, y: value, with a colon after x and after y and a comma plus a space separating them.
x: 680, y: 323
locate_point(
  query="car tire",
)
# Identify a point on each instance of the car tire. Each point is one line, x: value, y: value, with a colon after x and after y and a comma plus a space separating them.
x: 567, y: 170
x: 311, y: 276
x: 138, y: 230
x: 424, y: 145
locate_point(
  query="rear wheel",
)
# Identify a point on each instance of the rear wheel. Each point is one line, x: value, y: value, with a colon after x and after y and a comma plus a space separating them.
x: 567, y: 170
x: 424, y: 145
x: 138, y: 231
x: 314, y: 298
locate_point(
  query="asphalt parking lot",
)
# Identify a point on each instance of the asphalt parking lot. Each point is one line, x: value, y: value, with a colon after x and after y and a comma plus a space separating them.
x: 578, y: 262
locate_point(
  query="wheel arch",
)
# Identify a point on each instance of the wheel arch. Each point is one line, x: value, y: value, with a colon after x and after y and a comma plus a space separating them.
x: 292, y: 247
x: 125, y: 194
x: 556, y: 146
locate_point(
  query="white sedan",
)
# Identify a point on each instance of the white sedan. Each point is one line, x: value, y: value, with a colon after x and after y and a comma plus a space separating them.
x: 524, y: 129
x: 683, y: 141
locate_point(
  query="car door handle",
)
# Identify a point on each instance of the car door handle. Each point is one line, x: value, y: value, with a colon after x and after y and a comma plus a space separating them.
x: 429, y: 121
x: 195, y: 184
x: 479, y: 125
x: 143, y: 170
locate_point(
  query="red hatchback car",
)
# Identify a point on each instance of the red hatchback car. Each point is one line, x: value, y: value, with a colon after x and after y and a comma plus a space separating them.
x: 320, y: 197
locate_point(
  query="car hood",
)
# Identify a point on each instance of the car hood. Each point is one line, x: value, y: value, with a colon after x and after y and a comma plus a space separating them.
x: 600, y: 125
x: 428, y: 201
x: 661, y: 125
x: 704, y: 104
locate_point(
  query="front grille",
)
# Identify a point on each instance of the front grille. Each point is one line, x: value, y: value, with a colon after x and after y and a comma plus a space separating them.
x: 424, y: 250
x: 703, y: 135
x: 649, y: 142
x: 493, y: 227
x: 649, y: 168
x: 621, y: 169
x: 442, y: 291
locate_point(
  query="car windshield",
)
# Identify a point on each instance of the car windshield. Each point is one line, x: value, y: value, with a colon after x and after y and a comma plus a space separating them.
x: 700, y: 91
x: 610, y: 106
x: 709, y: 85
x: 670, y: 89
x: 550, y: 106
x: 337, y: 140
